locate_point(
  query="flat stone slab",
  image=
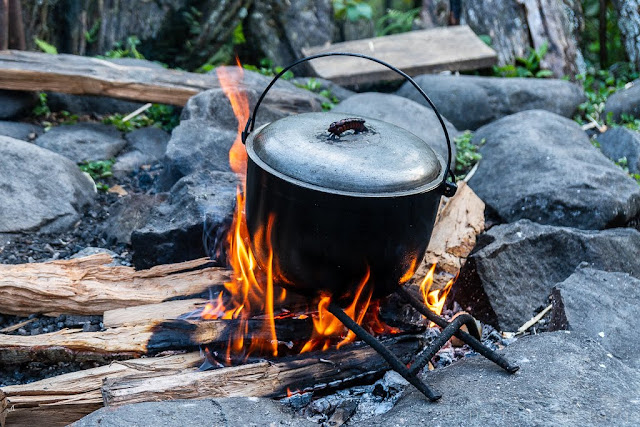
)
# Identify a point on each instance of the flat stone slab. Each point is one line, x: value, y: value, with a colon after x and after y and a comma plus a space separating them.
x: 541, y: 166
x: 564, y: 379
x: 227, y: 412
x: 472, y: 101
x: 18, y: 130
x: 514, y: 267
x: 603, y: 306
x: 414, y: 52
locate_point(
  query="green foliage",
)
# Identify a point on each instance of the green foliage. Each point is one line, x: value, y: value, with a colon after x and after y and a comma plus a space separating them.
x: 92, y: 34
x: 266, y: 68
x: 42, y: 109
x: 396, y: 21
x: 98, y: 170
x: 128, y: 50
x: 352, y: 10
x: 590, y: 40
x: 624, y: 164
x: 46, y: 47
x: 486, y: 38
x: 67, y: 118
x: 159, y: 115
x: 466, y: 154
x: 314, y: 86
x: 598, y: 86
x: 526, y: 67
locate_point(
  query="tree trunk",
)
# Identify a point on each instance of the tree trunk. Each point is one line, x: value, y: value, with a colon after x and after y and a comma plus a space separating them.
x: 4, y: 24
x: 517, y: 26
x: 629, y: 24
x: 16, y: 28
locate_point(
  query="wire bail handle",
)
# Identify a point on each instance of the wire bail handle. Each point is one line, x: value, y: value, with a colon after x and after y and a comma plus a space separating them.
x: 448, y: 188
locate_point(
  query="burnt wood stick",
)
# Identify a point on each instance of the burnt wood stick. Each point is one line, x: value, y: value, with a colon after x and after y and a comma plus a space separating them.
x: 308, y: 371
x: 61, y: 400
x: 89, y: 286
x: 136, y: 341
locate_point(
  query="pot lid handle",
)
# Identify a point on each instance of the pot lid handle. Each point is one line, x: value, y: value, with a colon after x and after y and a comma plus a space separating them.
x: 448, y: 188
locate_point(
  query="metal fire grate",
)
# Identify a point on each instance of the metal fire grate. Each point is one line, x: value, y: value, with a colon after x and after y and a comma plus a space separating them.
x: 449, y: 329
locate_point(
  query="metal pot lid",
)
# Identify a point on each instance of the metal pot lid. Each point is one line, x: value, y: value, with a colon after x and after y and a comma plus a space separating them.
x: 381, y: 160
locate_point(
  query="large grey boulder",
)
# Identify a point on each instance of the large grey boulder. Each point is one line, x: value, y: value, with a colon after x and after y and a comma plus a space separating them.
x: 227, y: 412
x: 208, y: 126
x: 405, y: 113
x: 565, y: 379
x: 281, y: 29
x: 130, y: 213
x: 621, y: 142
x: 83, y: 142
x: 603, y: 306
x: 15, y: 103
x: 625, y: 101
x: 472, y: 101
x: 144, y: 146
x: 39, y: 190
x: 514, y: 267
x: 189, y: 225
x: 19, y: 130
x: 540, y: 166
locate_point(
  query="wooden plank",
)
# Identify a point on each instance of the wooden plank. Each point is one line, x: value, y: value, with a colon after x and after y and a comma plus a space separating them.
x: 89, y: 286
x: 263, y: 379
x: 415, y: 52
x: 61, y: 400
x: 35, y: 71
x: 150, y: 313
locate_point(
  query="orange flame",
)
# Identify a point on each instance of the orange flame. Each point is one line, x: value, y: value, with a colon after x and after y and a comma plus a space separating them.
x: 253, y: 290
x: 434, y: 299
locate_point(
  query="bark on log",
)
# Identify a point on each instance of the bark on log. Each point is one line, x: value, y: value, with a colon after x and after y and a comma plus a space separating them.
x: 89, y: 286
x: 92, y: 76
x: 263, y: 379
x: 136, y: 341
x: 515, y: 26
x: 61, y: 400
x: 629, y: 24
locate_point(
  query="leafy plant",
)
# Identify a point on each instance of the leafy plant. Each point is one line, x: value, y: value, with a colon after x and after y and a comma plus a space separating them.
x: 98, y: 170
x: 159, y: 115
x: 396, y: 21
x: 353, y: 10
x: 91, y: 35
x: 67, y: 118
x: 266, y: 68
x: 526, y: 67
x: 624, y: 164
x: 314, y: 86
x: 46, y: 47
x: 42, y: 109
x: 598, y: 86
x: 128, y: 50
x: 466, y: 154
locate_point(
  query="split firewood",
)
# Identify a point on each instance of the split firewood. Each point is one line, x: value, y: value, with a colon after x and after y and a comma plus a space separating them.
x: 61, y: 400
x: 331, y: 369
x: 135, y: 341
x: 89, y: 286
x: 460, y: 220
x: 151, y: 313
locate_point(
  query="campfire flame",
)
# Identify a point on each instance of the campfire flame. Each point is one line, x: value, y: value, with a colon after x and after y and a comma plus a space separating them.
x: 252, y: 291
x: 434, y: 299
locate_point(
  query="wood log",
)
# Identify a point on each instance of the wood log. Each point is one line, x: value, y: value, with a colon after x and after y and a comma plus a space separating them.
x: 264, y: 379
x: 81, y: 75
x: 89, y: 286
x: 136, y: 341
x: 150, y: 313
x: 61, y: 400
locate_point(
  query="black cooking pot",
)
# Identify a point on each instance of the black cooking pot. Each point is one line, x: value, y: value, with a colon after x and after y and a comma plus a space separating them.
x: 338, y: 209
